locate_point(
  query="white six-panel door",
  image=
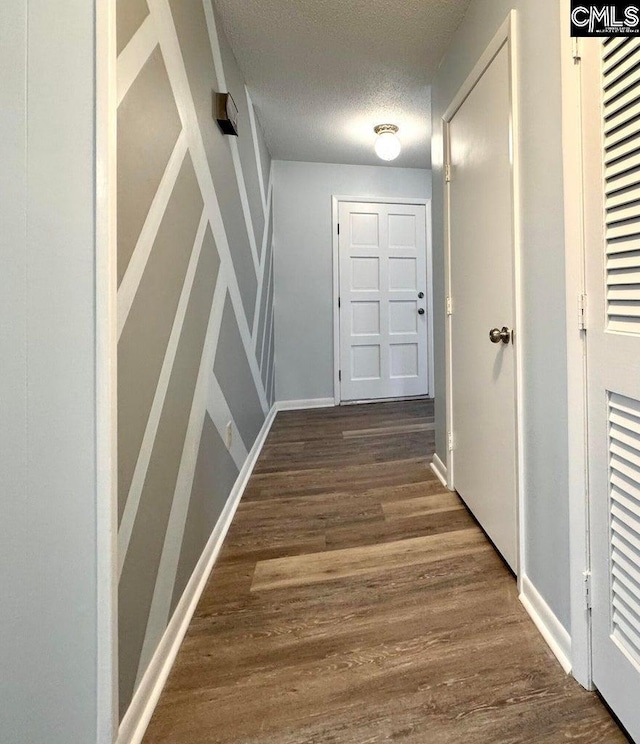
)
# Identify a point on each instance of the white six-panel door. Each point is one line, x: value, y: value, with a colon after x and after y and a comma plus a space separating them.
x: 611, y: 101
x: 383, y: 301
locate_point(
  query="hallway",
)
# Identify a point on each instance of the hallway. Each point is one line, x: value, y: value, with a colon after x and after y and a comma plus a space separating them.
x: 356, y: 600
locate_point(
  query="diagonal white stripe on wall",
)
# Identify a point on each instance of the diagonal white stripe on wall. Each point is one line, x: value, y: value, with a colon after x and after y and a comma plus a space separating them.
x: 233, y: 144
x: 133, y: 57
x: 209, y: 400
x: 161, y: 604
x: 263, y: 261
x: 140, y: 472
x: 137, y: 264
x: 180, y: 84
x: 256, y: 146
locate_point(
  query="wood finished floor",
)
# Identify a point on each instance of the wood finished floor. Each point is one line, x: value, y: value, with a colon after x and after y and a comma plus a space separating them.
x: 355, y: 600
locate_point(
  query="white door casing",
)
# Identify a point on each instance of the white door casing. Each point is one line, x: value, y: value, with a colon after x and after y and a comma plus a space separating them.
x: 483, y: 271
x: 383, y: 320
x: 611, y: 142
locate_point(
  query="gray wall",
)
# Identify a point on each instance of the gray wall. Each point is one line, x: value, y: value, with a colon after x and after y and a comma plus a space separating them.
x: 543, y: 273
x: 304, y: 262
x: 48, y: 611
x: 196, y: 350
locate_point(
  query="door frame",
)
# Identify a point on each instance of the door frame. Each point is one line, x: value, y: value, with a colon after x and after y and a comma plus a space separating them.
x: 410, y: 201
x: 506, y: 35
x: 575, y: 294
x: 106, y: 321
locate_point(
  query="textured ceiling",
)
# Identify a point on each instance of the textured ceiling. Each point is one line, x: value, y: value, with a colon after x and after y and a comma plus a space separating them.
x: 323, y: 73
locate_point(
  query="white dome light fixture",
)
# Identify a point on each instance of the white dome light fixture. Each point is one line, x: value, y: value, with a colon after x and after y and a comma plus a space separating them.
x: 387, y: 145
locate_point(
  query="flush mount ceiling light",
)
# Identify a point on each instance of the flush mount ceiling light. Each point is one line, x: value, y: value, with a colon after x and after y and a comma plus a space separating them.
x: 387, y: 145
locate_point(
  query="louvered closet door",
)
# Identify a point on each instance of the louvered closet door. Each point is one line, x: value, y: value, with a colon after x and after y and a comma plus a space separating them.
x: 611, y: 88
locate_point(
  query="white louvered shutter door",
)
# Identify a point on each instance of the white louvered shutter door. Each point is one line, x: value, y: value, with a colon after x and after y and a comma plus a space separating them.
x: 611, y: 115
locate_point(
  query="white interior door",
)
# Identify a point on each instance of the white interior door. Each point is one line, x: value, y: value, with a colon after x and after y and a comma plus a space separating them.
x: 482, y: 292
x: 611, y: 100
x: 383, y: 301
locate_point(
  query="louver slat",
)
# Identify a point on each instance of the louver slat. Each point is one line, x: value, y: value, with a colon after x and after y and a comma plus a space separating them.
x: 616, y: 121
x: 616, y: 103
x: 625, y: 181
x: 615, y: 142
x: 624, y: 463
x: 612, y: 43
x: 630, y: 197
x: 613, y: 58
x: 621, y: 112
x: 619, y: 74
x: 627, y: 212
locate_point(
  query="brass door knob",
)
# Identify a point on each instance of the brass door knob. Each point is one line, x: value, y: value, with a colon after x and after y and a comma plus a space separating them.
x: 496, y: 335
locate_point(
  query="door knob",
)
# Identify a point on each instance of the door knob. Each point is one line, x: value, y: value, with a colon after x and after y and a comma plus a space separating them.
x: 421, y: 311
x: 496, y: 335
x: 421, y: 295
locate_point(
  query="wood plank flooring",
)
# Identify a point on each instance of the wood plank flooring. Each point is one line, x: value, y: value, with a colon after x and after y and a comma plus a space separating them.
x: 357, y: 601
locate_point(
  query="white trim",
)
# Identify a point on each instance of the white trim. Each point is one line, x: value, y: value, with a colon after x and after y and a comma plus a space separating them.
x: 502, y: 36
x: 373, y: 199
x: 140, y: 256
x: 137, y: 718
x: 448, y: 352
x: 335, y: 241
x: 551, y: 629
x: 440, y: 470
x: 335, y: 249
x: 106, y: 375
x: 146, y: 448
x: 135, y: 55
x: 506, y: 35
x: 233, y: 141
x: 517, y: 282
x: 431, y: 356
x: 304, y: 405
x: 575, y: 281
x: 256, y: 147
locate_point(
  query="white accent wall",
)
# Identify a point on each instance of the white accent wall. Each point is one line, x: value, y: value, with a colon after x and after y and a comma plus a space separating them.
x: 304, y: 265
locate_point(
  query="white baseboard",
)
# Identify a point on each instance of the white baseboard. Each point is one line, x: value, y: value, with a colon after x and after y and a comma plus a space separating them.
x: 137, y: 718
x: 440, y: 470
x: 552, y: 630
x: 301, y: 405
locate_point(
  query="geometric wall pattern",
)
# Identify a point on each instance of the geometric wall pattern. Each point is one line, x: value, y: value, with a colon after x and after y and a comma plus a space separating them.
x: 195, y: 306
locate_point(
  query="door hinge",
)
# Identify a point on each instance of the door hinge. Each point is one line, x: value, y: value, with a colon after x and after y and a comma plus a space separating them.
x: 588, y: 599
x: 339, y: 375
x: 575, y: 49
x: 447, y: 173
x: 582, y: 312
x: 338, y: 228
x: 339, y: 303
x: 450, y: 441
x: 449, y: 306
